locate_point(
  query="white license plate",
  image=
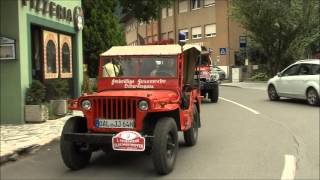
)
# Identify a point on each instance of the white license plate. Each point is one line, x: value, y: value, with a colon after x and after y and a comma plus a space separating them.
x: 115, y: 123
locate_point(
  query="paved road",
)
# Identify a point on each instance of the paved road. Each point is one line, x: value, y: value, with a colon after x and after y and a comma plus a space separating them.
x: 244, y: 136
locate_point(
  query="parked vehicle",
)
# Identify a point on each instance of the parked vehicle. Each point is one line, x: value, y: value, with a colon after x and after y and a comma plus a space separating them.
x: 299, y: 80
x: 209, y: 79
x: 222, y: 74
x: 152, y: 96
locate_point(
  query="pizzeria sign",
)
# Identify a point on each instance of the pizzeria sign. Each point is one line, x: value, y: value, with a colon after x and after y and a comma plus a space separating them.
x: 56, y: 10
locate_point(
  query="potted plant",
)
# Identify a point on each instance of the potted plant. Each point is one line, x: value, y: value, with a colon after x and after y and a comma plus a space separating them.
x: 35, y: 110
x: 57, y: 94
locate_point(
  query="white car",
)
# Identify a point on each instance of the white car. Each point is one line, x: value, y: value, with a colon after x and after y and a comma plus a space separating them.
x: 299, y: 80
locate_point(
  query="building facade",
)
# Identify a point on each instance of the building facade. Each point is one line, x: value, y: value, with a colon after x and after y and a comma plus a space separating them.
x: 41, y: 40
x: 205, y: 22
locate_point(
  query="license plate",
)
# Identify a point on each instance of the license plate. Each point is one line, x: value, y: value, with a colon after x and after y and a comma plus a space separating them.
x: 115, y: 123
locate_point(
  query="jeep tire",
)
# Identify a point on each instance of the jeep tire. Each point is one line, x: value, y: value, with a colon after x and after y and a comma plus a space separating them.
x: 214, y: 94
x: 165, y: 145
x: 107, y: 149
x: 74, y: 155
x: 191, y: 135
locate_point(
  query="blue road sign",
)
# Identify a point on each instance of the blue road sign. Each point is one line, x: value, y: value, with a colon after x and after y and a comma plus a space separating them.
x: 223, y: 51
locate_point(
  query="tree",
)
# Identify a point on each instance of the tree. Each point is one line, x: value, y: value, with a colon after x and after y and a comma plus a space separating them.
x: 283, y: 29
x: 101, y: 31
x: 145, y: 10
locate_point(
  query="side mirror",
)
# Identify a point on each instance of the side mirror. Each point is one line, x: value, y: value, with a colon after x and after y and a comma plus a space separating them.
x: 182, y: 38
x: 279, y: 74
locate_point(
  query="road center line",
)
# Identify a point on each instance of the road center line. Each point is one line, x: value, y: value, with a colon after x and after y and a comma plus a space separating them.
x: 243, y: 106
x: 289, y: 169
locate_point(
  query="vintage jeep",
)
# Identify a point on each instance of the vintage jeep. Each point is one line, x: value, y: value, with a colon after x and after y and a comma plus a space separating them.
x: 209, y: 79
x: 152, y: 96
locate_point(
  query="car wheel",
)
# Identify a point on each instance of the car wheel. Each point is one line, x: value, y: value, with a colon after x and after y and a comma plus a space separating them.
x: 165, y: 145
x: 74, y: 155
x: 272, y: 93
x: 214, y: 94
x: 191, y: 135
x: 313, y: 97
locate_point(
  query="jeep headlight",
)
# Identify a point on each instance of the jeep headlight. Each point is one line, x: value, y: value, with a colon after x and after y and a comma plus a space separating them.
x: 143, y: 105
x: 86, y: 104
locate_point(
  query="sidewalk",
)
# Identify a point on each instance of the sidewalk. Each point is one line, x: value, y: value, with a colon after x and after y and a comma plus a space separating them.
x: 26, y: 138
x: 247, y: 84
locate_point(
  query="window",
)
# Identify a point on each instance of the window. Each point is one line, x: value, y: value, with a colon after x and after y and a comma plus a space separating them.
x: 155, y: 38
x: 291, y: 71
x: 210, y: 30
x: 170, y: 11
x: 196, y: 32
x: 209, y: 3
x: 315, y: 69
x: 305, y: 69
x: 195, y: 4
x: 164, y: 13
x: 170, y: 35
x: 186, y: 31
x: 183, y: 6
x: 164, y: 36
x: 140, y: 66
x: 66, y: 58
x: 51, y: 57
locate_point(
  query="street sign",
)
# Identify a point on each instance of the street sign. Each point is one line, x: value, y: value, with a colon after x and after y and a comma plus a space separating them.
x: 243, y: 41
x: 223, y: 51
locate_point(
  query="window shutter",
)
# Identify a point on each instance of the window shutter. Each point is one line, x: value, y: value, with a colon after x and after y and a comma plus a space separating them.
x: 209, y: 2
x: 196, y: 30
x: 210, y: 30
x: 164, y: 13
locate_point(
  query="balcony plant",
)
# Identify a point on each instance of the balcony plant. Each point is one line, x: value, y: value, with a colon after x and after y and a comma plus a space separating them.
x: 57, y: 95
x: 35, y: 110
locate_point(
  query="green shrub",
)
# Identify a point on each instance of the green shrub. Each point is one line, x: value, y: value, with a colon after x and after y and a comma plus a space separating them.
x: 36, y: 93
x: 259, y: 76
x: 57, y: 89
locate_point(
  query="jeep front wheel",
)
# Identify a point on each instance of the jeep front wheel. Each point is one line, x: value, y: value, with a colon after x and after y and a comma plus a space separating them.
x: 191, y: 135
x: 165, y: 145
x: 74, y: 155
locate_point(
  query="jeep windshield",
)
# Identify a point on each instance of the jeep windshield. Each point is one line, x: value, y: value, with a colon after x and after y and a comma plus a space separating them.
x: 150, y: 66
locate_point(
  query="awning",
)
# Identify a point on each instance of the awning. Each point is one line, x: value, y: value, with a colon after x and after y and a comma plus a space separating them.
x: 148, y: 50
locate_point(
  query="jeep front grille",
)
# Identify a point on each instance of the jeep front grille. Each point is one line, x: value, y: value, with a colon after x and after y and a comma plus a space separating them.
x: 115, y: 108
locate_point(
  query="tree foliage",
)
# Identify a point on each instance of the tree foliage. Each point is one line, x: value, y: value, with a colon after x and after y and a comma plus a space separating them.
x: 101, y: 31
x: 145, y: 10
x: 283, y: 29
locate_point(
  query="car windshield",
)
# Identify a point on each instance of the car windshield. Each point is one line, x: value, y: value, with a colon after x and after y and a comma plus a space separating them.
x: 139, y: 67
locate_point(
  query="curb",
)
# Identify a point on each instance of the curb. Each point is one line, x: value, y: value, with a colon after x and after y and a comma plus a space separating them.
x: 30, y: 149
x: 230, y: 85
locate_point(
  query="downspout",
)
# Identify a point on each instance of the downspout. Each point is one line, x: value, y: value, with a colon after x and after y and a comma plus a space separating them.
x: 175, y: 20
x: 137, y: 33
x: 229, y: 49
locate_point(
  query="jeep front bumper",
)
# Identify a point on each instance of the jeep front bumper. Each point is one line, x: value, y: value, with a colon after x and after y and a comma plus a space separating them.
x: 97, y: 138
